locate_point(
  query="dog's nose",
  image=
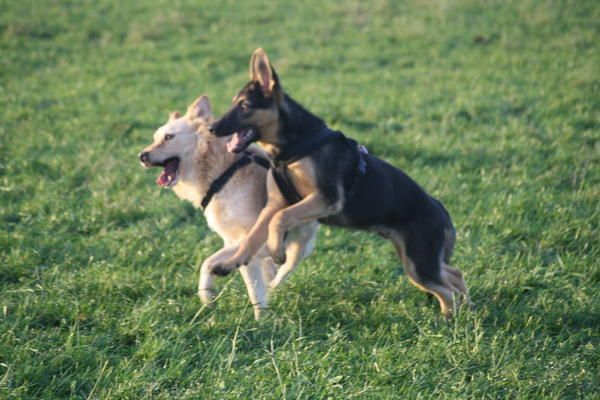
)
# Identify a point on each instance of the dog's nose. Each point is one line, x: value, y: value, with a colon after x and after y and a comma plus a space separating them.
x: 213, y: 128
x: 144, y: 156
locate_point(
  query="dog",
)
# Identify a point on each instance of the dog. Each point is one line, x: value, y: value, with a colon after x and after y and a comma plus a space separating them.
x: 230, y: 188
x: 320, y: 175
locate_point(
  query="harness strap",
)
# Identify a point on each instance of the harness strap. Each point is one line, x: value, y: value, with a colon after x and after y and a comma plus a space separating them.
x: 361, y: 167
x: 221, y: 181
x: 263, y: 162
x: 285, y: 185
x: 304, y: 148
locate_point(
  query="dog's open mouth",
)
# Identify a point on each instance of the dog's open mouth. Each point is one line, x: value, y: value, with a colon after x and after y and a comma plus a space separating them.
x: 170, y: 174
x: 242, y: 139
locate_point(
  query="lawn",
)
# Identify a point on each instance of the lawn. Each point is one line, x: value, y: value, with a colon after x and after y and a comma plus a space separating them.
x: 492, y: 106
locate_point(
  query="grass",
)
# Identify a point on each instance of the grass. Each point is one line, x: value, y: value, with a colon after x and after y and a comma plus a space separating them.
x: 492, y: 106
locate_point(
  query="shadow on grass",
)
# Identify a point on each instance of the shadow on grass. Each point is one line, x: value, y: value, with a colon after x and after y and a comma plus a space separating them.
x: 517, y: 308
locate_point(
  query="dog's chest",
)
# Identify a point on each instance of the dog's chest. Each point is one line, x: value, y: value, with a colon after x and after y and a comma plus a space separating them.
x: 227, y: 225
x: 188, y: 192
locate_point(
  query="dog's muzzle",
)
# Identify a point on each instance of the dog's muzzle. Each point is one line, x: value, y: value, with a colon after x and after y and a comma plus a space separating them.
x: 214, y: 128
x: 145, y: 157
x: 221, y: 127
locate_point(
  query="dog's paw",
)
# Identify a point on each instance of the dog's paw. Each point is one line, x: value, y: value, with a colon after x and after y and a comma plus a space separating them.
x: 226, y: 267
x: 260, y: 312
x: 206, y: 296
x: 278, y: 256
x: 276, y: 251
x: 275, y: 283
x: 276, y: 247
x: 221, y: 269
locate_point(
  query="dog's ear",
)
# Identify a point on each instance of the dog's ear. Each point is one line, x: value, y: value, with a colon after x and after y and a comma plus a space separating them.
x: 262, y: 72
x: 174, y: 115
x: 200, y: 108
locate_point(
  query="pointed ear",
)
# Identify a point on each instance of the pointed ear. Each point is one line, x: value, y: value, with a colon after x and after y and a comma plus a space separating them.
x: 262, y: 72
x: 200, y: 108
x: 174, y: 115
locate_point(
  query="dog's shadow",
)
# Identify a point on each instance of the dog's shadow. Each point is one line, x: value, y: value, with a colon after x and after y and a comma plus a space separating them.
x: 368, y: 309
x: 514, y: 309
x: 352, y: 311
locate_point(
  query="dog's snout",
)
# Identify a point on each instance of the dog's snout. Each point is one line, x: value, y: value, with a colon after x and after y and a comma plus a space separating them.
x: 144, y: 157
x: 221, y: 127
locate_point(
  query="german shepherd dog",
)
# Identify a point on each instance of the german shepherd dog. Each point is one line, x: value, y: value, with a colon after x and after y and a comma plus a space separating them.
x: 193, y: 160
x: 334, y: 181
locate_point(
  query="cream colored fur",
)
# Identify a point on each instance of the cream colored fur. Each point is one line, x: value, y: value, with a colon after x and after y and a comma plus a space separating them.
x: 233, y: 211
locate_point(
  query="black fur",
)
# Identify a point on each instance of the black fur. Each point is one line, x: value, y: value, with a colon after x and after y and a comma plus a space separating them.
x: 386, y: 200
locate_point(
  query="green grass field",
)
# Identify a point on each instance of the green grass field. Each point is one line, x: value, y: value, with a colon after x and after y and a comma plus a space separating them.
x: 492, y: 106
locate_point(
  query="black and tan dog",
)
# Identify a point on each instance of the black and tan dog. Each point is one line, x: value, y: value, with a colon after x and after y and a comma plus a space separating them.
x: 319, y: 174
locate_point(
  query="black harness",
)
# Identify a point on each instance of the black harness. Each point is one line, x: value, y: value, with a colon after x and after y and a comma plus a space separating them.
x: 300, y: 150
x: 222, y: 180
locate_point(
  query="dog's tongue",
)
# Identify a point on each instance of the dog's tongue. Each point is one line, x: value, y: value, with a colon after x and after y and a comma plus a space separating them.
x: 235, y: 144
x: 168, y: 174
x: 240, y: 140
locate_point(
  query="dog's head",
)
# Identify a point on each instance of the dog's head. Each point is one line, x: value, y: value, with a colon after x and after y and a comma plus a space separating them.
x: 254, y: 113
x: 175, y: 142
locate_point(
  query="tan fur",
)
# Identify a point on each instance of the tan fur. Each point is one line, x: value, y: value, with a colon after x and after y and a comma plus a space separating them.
x: 309, y: 209
x: 272, y: 224
x: 312, y: 207
x: 302, y: 173
x: 234, y: 210
x: 257, y: 236
x: 266, y: 121
x: 451, y: 294
x: 262, y: 72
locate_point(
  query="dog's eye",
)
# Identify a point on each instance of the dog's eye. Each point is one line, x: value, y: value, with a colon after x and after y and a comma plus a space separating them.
x: 169, y: 136
x: 245, y: 105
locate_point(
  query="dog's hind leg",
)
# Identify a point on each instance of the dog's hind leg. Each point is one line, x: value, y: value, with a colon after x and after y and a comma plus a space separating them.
x: 456, y: 279
x: 425, y: 270
x: 269, y: 269
x: 300, y: 243
x: 205, y: 283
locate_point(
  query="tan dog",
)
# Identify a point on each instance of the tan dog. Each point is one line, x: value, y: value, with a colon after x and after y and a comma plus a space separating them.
x: 192, y: 160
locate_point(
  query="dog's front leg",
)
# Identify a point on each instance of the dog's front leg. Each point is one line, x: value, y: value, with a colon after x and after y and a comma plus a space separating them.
x: 205, y: 283
x: 255, y: 284
x: 312, y: 207
x: 249, y: 245
x: 257, y: 236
